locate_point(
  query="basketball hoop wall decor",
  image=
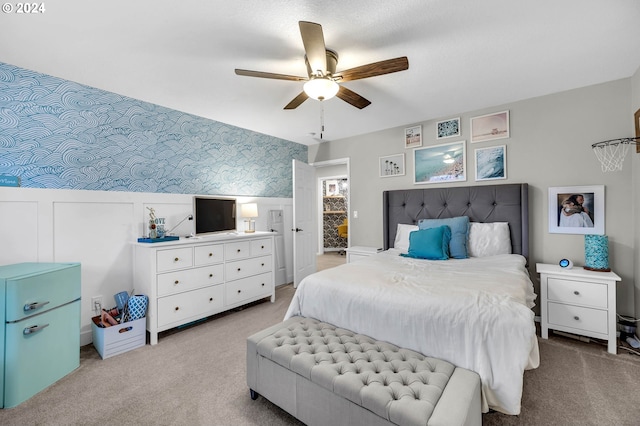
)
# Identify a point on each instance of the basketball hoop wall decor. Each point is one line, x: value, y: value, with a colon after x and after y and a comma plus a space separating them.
x: 611, y: 153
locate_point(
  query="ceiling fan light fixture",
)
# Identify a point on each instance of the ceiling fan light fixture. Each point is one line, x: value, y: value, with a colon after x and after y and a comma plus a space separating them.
x: 321, y: 88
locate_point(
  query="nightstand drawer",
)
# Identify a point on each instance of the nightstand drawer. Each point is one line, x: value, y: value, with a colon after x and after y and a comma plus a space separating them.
x: 577, y: 292
x: 577, y: 317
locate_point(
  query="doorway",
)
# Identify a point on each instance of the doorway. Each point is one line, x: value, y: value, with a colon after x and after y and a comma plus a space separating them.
x: 333, y: 205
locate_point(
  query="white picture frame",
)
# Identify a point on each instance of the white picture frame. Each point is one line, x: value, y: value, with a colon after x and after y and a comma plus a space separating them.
x: 448, y: 128
x: 391, y: 165
x: 563, y: 210
x: 442, y: 163
x: 491, y: 163
x: 413, y: 137
x: 490, y: 127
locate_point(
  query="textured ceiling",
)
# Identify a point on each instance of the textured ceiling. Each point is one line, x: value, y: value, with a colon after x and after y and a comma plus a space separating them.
x: 463, y: 55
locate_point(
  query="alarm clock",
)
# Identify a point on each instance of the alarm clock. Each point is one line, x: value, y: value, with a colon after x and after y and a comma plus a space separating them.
x: 566, y: 263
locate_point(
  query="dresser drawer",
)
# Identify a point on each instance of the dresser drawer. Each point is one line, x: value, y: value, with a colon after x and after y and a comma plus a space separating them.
x: 261, y: 247
x: 247, y: 267
x: 237, y: 250
x: 248, y: 288
x: 594, y: 320
x: 577, y: 292
x: 210, y: 254
x: 177, y: 282
x: 174, y: 259
x: 196, y: 303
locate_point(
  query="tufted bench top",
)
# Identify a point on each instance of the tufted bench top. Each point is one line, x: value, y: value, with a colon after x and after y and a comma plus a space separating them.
x: 397, y: 384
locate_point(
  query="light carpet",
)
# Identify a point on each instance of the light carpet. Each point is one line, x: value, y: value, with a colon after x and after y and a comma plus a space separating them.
x: 196, y: 376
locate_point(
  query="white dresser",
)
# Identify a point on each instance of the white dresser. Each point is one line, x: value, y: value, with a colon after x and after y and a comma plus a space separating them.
x: 190, y: 279
x: 578, y: 301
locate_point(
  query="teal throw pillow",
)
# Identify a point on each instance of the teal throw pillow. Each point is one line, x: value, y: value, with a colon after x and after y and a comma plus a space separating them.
x: 432, y: 243
x: 459, y: 233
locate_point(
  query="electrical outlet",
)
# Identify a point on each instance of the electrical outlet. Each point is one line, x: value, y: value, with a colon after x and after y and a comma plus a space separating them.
x: 96, y: 304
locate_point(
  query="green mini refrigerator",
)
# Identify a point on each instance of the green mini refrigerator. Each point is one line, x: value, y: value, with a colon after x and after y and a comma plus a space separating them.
x: 40, y: 329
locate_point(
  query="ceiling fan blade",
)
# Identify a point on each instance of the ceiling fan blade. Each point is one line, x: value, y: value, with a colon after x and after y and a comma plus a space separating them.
x: 313, y: 41
x: 374, y: 69
x: 295, y: 103
x: 351, y: 97
x: 261, y: 74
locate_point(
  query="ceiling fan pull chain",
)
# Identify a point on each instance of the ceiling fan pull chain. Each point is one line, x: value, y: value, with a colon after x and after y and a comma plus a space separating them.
x: 321, y: 119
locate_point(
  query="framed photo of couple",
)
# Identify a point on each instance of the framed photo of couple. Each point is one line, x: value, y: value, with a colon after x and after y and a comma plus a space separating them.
x: 576, y: 210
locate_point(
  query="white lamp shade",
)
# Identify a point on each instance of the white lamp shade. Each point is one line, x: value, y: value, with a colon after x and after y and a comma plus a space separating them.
x: 321, y: 88
x: 249, y: 210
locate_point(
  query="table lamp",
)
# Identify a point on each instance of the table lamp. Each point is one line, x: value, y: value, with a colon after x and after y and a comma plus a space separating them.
x: 249, y: 211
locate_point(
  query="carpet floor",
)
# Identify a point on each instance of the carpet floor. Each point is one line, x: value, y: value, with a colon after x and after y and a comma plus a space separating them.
x: 196, y: 376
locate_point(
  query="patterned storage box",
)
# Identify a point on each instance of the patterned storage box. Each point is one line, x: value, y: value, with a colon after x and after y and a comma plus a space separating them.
x: 118, y: 339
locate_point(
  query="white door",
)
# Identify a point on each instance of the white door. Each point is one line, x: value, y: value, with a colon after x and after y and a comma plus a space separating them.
x: 304, y: 213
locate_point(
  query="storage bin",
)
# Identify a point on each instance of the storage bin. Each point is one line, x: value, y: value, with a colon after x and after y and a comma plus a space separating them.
x: 117, y: 339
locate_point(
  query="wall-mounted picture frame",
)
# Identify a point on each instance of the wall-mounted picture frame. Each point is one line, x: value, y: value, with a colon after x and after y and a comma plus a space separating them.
x: 448, y: 128
x: 331, y: 188
x: 490, y: 127
x: 391, y: 165
x: 440, y: 163
x: 413, y: 137
x: 576, y: 210
x: 491, y: 163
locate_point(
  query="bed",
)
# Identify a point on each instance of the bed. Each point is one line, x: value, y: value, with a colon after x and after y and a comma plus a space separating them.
x: 474, y: 312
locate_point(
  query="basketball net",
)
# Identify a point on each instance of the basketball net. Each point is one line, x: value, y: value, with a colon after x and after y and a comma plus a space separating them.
x: 611, y: 153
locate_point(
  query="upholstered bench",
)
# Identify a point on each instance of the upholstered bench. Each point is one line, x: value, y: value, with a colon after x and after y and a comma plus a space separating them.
x: 324, y: 375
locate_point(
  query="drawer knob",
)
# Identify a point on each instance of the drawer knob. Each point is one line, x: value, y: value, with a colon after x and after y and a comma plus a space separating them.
x: 262, y: 284
x: 210, y: 254
x: 176, y: 282
x: 210, y: 275
x: 577, y: 318
x: 177, y: 308
x: 211, y: 299
x: 239, y: 291
x: 176, y: 259
x: 261, y: 247
x: 263, y: 264
x: 238, y: 250
x: 238, y: 269
x: 577, y: 293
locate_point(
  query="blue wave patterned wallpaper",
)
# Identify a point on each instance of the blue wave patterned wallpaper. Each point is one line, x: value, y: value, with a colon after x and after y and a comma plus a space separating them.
x: 59, y: 134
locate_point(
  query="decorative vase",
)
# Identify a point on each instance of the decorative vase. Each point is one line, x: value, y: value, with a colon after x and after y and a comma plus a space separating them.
x: 137, y: 306
x: 596, y: 253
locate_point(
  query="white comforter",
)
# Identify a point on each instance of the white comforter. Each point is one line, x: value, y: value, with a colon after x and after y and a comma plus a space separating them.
x: 475, y: 313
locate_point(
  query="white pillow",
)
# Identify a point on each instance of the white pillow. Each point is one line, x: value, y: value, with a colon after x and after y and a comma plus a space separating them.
x: 488, y: 239
x: 402, y: 236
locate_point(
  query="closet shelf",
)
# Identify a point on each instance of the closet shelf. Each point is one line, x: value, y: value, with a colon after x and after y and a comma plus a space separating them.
x: 333, y: 196
x: 335, y: 212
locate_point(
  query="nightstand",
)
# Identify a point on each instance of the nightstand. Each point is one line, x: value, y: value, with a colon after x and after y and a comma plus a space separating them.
x: 359, y: 252
x: 578, y: 301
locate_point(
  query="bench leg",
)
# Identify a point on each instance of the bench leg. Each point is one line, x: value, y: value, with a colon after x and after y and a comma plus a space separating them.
x: 254, y: 394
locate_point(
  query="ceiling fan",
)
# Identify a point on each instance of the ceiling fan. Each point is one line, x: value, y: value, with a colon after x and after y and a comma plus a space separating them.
x: 322, y: 81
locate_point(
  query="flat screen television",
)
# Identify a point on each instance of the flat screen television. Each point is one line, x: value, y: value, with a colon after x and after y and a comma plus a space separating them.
x: 213, y: 215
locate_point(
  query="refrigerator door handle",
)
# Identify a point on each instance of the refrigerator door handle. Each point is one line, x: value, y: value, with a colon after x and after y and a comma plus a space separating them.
x: 34, y: 329
x: 34, y: 305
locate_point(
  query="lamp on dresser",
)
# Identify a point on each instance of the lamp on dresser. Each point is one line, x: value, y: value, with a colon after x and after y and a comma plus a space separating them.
x: 249, y: 211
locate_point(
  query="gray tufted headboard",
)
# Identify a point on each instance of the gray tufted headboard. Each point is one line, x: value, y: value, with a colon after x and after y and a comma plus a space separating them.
x: 488, y: 203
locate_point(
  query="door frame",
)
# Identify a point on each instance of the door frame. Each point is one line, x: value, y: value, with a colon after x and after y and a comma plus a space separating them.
x: 319, y: 230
